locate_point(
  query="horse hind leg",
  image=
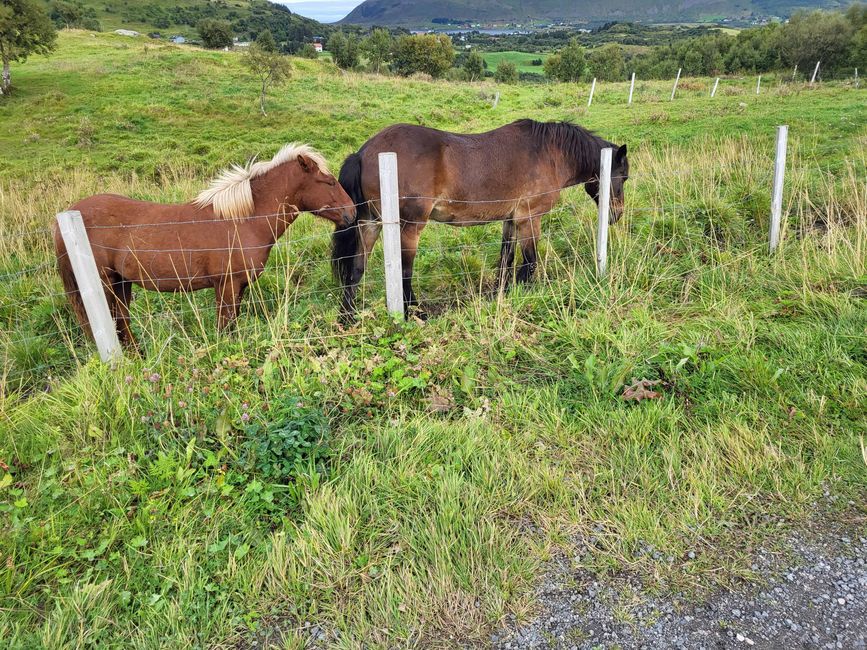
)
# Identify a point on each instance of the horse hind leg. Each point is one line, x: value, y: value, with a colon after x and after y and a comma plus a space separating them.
x: 122, y: 290
x: 228, y: 295
x: 528, y: 235
x: 507, y: 255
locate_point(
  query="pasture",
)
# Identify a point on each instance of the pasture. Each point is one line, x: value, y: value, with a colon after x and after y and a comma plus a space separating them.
x: 523, y: 60
x: 402, y: 484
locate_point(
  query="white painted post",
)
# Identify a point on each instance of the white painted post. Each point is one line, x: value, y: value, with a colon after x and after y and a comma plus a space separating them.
x: 496, y: 99
x: 390, y: 202
x: 777, y: 195
x: 604, y: 203
x: 794, y: 72
x: 592, y: 90
x: 857, y: 81
x: 632, y: 85
x: 715, y: 84
x: 759, y: 85
x: 676, y: 79
x: 89, y: 284
x: 815, y: 72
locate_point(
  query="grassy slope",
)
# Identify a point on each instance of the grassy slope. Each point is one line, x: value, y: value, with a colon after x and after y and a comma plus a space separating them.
x: 125, y: 518
x: 522, y: 60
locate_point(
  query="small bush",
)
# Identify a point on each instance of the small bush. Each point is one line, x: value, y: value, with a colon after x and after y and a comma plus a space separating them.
x: 292, y: 435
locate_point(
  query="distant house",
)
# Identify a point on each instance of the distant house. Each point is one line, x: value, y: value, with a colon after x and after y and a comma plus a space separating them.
x: 178, y: 39
x: 317, y: 47
x: 126, y: 32
x: 242, y: 43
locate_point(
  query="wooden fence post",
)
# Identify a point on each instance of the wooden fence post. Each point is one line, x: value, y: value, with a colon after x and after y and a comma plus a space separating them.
x: 815, y: 72
x: 592, y: 90
x: 632, y: 87
x: 777, y: 195
x: 390, y: 202
x: 604, y: 203
x: 676, y: 79
x: 89, y: 284
x: 715, y: 84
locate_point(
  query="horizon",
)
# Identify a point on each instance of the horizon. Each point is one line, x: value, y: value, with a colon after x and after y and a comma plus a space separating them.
x: 325, y: 11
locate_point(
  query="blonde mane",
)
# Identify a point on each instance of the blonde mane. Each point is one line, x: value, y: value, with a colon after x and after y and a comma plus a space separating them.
x: 230, y: 193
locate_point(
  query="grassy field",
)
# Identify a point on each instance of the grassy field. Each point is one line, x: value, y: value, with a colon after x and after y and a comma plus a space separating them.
x: 522, y: 60
x: 430, y: 468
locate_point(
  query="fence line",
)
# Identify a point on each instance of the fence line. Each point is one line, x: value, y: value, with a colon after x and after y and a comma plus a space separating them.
x: 291, y: 292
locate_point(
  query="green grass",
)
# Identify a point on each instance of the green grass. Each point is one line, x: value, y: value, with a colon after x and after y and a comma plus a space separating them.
x: 131, y: 512
x: 523, y: 60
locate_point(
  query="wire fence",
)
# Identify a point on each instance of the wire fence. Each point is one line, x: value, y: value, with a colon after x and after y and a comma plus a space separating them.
x: 459, y: 268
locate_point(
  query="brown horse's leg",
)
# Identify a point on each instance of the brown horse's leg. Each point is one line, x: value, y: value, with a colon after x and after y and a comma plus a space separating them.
x: 123, y: 295
x: 369, y: 233
x: 528, y: 233
x: 409, y: 236
x: 228, y: 293
x: 507, y: 255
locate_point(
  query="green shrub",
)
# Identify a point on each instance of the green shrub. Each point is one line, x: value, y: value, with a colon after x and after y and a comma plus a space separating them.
x: 287, y: 436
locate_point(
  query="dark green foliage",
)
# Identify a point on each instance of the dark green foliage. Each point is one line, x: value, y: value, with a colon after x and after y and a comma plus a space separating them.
x: 506, y: 73
x: 607, y: 63
x: 265, y: 40
x: 474, y: 66
x: 287, y: 436
x: 345, y: 50
x: 378, y: 48
x: 74, y: 14
x: 568, y: 64
x: 427, y: 53
x: 307, y: 51
x: 215, y: 33
x: 25, y: 29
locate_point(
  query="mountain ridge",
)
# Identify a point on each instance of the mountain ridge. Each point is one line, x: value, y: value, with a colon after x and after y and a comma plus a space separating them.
x: 426, y: 12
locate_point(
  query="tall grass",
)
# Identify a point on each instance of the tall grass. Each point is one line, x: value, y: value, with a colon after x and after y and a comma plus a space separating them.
x: 461, y: 452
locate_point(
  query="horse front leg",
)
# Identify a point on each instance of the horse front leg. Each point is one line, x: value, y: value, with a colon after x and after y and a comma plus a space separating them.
x: 507, y: 255
x: 228, y: 294
x: 368, y: 233
x: 528, y: 234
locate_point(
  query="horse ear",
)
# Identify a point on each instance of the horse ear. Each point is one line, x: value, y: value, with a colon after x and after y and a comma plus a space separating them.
x: 621, y: 153
x: 305, y: 163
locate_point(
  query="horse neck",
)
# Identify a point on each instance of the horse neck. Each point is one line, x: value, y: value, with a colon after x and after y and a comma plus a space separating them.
x: 584, y: 167
x: 273, y: 198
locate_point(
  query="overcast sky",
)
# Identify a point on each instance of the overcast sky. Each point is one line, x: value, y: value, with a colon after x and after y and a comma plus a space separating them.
x: 326, y: 11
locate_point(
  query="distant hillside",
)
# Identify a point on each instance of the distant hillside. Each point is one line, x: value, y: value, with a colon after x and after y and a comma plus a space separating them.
x: 426, y: 12
x: 248, y: 17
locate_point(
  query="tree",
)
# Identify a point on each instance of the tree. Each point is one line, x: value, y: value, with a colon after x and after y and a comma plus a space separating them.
x: 74, y: 14
x: 506, y: 73
x: 25, y: 29
x: 568, y: 64
x: 344, y: 50
x: 607, y: 64
x: 266, y: 41
x: 377, y: 48
x: 215, y: 33
x: 307, y: 51
x: 268, y: 66
x: 817, y: 36
x: 474, y: 66
x: 431, y: 54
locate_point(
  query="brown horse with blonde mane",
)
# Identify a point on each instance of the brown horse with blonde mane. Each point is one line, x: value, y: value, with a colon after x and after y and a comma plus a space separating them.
x: 512, y: 174
x: 220, y: 240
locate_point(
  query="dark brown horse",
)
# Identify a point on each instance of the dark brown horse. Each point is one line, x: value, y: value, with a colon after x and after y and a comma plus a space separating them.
x: 221, y: 240
x: 512, y: 174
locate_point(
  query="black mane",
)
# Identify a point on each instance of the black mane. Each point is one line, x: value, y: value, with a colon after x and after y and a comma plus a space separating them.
x: 577, y: 144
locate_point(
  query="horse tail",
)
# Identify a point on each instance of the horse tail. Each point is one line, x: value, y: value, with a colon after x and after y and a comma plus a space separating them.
x: 67, y: 276
x: 345, y: 242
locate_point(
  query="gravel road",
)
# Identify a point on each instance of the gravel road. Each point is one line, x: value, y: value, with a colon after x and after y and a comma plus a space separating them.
x: 815, y: 598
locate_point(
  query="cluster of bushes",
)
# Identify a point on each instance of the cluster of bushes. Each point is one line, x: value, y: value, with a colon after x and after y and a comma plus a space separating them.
x: 73, y: 14
x: 837, y: 39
